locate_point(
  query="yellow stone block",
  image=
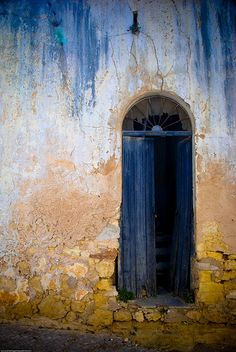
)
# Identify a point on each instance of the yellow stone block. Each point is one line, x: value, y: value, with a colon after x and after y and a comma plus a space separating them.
x: 230, y: 265
x: 123, y: 329
x: 215, y: 315
x: 7, y: 298
x: 53, y: 285
x: 204, y: 277
x: 122, y: 315
x: 217, y: 275
x: 216, y: 243
x: 104, y: 284
x: 22, y: 309
x: 152, y: 316
x: 232, y: 256
x: 23, y: 268
x: 22, y: 297
x: 78, y: 306
x: 53, y: 307
x: 100, y: 299
x: 71, y: 316
x: 68, y: 285
x: 215, y: 255
x: 229, y: 286
x: 210, y: 292
x: 100, y: 318
x: 35, y: 283
x: 138, y: 316
x: 229, y: 275
x: 7, y: 284
x: 105, y: 268
x: 81, y: 293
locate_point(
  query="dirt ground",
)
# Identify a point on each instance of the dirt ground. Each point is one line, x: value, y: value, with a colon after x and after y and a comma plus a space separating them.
x: 29, y: 339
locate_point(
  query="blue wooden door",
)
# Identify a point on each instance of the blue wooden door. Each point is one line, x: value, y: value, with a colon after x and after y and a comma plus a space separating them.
x: 182, y: 241
x: 137, y: 259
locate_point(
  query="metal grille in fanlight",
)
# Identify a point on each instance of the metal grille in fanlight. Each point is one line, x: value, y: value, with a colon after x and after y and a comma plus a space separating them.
x: 157, y: 114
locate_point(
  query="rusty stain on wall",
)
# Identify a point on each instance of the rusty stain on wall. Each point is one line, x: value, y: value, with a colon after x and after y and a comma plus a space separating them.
x: 216, y: 191
x: 106, y: 168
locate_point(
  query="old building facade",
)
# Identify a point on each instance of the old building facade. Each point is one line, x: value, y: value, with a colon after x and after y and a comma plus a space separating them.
x: 71, y: 71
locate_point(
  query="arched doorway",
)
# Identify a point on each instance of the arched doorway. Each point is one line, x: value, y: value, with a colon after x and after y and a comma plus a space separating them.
x: 157, y: 199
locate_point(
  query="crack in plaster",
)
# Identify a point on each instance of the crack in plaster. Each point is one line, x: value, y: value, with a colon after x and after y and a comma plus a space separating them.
x: 158, y: 73
x: 133, y: 55
x: 188, y: 42
x: 115, y: 66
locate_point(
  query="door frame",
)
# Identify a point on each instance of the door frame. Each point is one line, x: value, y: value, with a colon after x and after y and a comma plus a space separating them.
x: 163, y: 134
x: 157, y: 133
x: 126, y: 104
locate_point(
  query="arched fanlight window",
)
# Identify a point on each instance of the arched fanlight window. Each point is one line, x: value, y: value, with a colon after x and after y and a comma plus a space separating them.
x: 157, y: 113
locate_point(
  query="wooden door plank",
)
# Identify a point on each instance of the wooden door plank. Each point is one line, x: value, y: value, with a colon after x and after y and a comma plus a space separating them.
x: 149, y: 168
x: 182, y: 235
x: 137, y: 254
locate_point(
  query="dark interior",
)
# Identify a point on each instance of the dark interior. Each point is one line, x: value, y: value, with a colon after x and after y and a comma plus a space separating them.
x: 165, y: 199
x: 166, y: 121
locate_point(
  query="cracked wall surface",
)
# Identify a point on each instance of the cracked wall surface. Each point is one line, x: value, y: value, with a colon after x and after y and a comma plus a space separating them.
x: 69, y: 71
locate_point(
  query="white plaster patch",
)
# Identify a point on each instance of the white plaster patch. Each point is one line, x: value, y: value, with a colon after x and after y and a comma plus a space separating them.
x: 109, y: 233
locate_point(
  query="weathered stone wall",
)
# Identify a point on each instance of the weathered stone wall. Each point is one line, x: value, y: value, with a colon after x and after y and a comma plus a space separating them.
x: 69, y: 72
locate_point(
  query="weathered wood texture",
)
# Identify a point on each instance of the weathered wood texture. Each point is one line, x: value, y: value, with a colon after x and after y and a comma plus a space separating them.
x: 182, y: 245
x: 137, y: 267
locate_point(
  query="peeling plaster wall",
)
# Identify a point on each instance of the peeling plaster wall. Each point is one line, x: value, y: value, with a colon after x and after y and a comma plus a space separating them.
x: 69, y: 70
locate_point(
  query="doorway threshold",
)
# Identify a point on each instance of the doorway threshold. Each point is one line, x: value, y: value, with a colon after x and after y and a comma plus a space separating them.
x: 163, y: 299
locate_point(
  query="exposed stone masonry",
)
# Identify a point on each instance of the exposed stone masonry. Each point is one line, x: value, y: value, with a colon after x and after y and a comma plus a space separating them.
x: 82, y: 295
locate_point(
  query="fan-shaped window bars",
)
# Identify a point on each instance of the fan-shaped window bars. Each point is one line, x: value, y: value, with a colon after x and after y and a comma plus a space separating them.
x: 157, y: 113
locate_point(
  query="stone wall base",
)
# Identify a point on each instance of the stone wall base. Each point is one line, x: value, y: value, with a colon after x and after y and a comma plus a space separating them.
x: 173, y: 333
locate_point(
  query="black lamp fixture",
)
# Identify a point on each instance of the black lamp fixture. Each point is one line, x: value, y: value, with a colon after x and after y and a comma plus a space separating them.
x: 135, y: 28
